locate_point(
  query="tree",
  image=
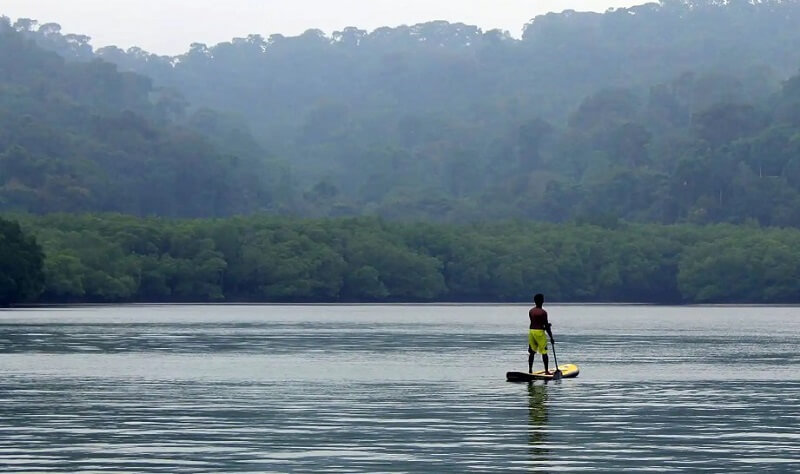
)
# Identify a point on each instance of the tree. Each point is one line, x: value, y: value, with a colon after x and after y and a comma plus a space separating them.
x: 605, y: 107
x: 723, y: 123
x: 531, y: 138
x: 21, y: 265
x: 661, y: 112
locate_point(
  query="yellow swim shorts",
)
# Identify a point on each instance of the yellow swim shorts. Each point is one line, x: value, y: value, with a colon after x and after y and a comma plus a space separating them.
x: 537, y: 341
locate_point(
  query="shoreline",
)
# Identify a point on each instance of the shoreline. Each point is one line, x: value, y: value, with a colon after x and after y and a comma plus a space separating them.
x: 397, y: 304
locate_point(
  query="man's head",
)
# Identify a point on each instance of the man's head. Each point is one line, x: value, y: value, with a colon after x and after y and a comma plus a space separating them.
x: 538, y: 299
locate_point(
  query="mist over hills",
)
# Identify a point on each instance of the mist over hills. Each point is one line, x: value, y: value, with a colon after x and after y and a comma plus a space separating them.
x: 608, y: 124
x: 671, y: 112
x: 82, y: 136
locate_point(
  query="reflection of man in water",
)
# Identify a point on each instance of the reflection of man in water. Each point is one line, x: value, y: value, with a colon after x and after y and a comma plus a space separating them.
x: 537, y: 340
x: 537, y: 419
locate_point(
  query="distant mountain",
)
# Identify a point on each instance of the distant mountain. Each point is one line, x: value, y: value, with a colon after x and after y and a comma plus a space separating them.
x: 79, y: 136
x: 668, y: 112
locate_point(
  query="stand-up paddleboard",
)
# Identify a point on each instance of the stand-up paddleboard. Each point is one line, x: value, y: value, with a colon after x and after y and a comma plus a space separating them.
x: 568, y: 371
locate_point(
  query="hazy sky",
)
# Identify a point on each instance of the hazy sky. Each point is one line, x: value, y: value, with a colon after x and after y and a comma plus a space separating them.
x: 169, y: 26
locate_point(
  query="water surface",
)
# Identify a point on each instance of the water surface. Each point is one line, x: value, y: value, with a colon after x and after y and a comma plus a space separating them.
x: 396, y: 388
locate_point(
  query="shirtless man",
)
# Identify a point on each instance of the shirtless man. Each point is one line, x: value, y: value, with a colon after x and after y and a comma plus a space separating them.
x: 537, y: 340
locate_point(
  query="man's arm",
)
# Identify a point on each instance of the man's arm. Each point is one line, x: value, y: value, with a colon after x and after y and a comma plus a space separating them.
x: 547, y: 326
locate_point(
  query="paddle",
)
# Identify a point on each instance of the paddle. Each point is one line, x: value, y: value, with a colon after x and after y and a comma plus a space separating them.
x: 557, y: 373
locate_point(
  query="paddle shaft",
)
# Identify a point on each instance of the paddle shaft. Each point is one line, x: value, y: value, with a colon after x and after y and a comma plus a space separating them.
x: 555, y: 358
x: 557, y: 372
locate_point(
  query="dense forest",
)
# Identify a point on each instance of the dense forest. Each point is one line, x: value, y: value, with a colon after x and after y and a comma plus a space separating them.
x: 22, y: 276
x: 79, y: 136
x: 646, y: 154
x: 670, y: 112
x: 113, y: 258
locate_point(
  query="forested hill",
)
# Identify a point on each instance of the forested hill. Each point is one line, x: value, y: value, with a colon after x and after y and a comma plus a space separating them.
x: 672, y: 112
x: 78, y: 136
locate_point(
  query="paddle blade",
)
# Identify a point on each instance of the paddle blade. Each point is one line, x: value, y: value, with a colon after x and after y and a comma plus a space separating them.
x: 557, y: 375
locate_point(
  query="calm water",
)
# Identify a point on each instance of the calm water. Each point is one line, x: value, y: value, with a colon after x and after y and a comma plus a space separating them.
x: 396, y: 388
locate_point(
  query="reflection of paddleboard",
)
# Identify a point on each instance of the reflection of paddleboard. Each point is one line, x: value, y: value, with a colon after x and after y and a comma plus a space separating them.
x: 568, y: 371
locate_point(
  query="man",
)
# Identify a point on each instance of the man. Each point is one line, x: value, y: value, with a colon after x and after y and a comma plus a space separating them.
x: 537, y: 340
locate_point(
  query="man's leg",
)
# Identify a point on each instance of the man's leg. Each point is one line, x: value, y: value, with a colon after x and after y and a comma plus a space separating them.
x: 546, y: 359
x: 531, y: 353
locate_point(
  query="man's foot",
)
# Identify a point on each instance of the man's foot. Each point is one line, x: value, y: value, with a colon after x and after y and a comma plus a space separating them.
x: 547, y: 372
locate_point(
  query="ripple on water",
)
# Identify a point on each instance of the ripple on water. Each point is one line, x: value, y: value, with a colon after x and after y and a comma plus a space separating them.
x: 96, y: 424
x: 394, y: 389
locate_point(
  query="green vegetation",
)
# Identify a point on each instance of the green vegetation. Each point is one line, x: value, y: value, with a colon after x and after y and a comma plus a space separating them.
x: 81, y: 136
x: 21, y: 265
x: 668, y: 112
x: 114, y: 258
x: 649, y: 154
x: 684, y: 111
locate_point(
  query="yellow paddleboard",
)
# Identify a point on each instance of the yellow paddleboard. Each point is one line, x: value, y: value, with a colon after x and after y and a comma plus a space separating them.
x: 568, y: 371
